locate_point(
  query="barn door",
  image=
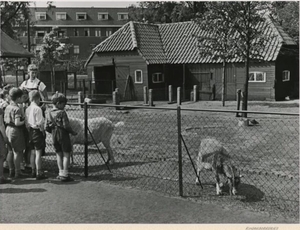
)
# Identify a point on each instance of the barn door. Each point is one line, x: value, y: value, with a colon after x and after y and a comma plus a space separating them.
x: 122, y: 73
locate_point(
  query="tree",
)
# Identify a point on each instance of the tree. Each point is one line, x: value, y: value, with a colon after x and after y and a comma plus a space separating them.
x: 241, y: 27
x: 13, y: 14
x: 165, y: 11
x: 287, y: 14
x: 52, y: 52
x: 219, y: 40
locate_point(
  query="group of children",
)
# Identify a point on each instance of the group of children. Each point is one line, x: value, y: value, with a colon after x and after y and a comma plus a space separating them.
x: 23, y: 126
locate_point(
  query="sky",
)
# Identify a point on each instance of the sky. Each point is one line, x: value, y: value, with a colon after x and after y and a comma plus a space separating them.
x: 72, y: 3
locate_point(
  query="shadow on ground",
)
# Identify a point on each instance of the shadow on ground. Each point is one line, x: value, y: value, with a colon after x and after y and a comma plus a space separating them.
x: 21, y: 190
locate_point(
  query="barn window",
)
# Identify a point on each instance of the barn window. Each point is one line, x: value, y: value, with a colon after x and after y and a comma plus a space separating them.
x: 76, y: 49
x: 286, y: 75
x: 157, y: 78
x: 138, y: 76
x: 257, y: 77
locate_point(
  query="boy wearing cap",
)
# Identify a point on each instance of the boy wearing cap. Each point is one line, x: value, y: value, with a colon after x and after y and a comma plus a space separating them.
x: 58, y: 123
x: 14, y: 131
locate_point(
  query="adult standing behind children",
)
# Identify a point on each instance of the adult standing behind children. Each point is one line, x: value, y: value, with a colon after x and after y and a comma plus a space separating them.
x: 35, y: 123
x: 33, y: 83
x: 58, y: 124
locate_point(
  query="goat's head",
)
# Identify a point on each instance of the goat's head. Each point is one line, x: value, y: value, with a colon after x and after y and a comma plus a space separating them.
x: 234, y: 179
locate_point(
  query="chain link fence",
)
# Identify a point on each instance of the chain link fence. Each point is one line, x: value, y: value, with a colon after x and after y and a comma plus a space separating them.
x: 149, y: 152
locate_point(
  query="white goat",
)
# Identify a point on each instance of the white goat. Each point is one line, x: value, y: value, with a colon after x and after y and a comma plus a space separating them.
x: 213, y: 156
x: 101, y: 129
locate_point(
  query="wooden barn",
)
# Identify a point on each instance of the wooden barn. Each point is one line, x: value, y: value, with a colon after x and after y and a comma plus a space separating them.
x: 159, y: 55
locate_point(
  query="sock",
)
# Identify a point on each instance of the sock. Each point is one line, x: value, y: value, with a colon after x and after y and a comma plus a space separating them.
x: 61, y: 173
x: 65, y: 173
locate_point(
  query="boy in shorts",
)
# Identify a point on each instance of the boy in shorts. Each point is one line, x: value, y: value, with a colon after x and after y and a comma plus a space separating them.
x: 58, y: 123
x: 14, y: 122
x: 35, y: 124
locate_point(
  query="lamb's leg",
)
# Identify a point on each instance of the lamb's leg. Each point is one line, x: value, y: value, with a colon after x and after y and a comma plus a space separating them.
x: 110, y: 154
x: 199, y: 169
x: 218, y: 188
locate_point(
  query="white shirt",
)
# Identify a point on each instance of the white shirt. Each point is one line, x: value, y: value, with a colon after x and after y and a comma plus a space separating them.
x: 33, y: 84
x: 34, y: 117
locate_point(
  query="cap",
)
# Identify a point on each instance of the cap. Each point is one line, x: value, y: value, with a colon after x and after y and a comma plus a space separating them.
x: 32, y: 67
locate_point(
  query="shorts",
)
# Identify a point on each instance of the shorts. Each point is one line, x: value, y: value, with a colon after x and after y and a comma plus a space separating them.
x: 61, y: 140
x: 36, y: 139
x: 3, y: 149
x: 16, y: 138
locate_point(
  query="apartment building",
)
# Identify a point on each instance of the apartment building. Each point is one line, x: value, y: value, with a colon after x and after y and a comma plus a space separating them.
x: 82, y: 27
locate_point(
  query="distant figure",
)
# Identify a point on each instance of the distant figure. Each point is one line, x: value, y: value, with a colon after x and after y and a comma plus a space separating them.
x: 33, y: 83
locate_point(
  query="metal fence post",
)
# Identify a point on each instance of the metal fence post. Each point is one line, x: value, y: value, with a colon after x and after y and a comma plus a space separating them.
x: 179, y: 152
x: 238, y: 101
x: 85, y: 139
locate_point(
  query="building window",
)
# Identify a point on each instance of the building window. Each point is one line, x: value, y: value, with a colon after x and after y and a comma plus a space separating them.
x: 76, y: 32
x: 80, y: 16
x: 76, y: 49
x: 122, y: 16
x: 61, y: 33
x: 98, y: 33
x: 257, y: 77
x: 40, y: 16
x: 286, y: 75
x: 61, y: 16
x: 86, y: 32
x: 40, y: 34
x: 102, y: 16
x: 108, y: 32
x: 138, y: 76
x: 157, y: 78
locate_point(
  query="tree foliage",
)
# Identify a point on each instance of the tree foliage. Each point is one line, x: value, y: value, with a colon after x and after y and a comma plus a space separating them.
x: 12, y: 14
x: 234, y: 29
x: 165, y: 11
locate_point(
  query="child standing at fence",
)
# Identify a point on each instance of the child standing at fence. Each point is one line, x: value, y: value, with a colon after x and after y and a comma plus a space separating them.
x: 26, y: 155
x: 14, y: 130
x: 35, y: 123
x: 3, y: 149
x: 58, y: 124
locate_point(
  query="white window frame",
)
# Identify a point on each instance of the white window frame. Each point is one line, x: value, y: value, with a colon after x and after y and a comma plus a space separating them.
x: 81, y: 14
x: 255, y: 74
x: 39, y: 31
x: 286, y: 75
x: 101, y: 14
x: 155, y: 78
x: 76, y: 49
x: 40, y: 16
x: 61, y: 16
x: 135, y: 76
x: 88, y: 32
x: 98, y: 33
x: 124, y: 14
x: 108, y: 32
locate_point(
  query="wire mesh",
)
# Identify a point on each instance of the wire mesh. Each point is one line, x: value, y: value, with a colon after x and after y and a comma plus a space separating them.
x: 145, y: 149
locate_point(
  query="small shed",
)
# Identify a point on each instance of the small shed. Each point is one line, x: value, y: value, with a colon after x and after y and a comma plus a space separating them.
x: 159, y: 55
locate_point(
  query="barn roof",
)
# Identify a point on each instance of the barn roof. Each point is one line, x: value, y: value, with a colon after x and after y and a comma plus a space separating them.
x: 177, y: 43
x: 11, y: 48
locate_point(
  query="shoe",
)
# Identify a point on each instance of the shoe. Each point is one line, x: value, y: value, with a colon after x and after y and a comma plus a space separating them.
x: 41, y: 176
x: 4, y: 181
x: 66, y: 179
x: 33, y: 175
x: 19, y: 176
x: 11, y: 175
